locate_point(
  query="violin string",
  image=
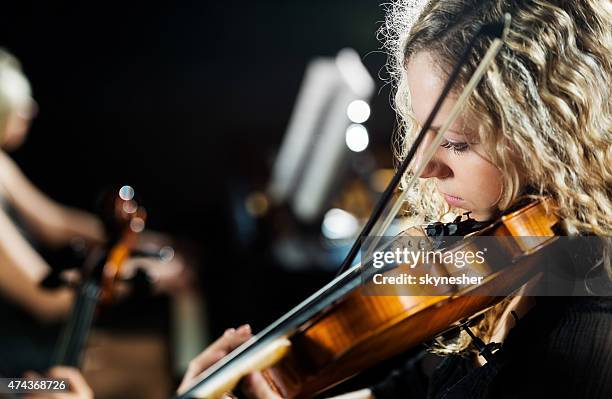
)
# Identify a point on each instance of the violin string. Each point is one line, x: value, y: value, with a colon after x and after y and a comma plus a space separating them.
x: 348, y: 273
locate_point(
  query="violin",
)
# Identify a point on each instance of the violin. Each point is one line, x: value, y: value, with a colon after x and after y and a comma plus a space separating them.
x: 341, y: 330
x: 352, y: 331
x: 362, y: 330
x: 123, y: 218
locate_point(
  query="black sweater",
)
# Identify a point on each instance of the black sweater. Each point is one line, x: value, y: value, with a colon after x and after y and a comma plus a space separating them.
x: 561, y: 348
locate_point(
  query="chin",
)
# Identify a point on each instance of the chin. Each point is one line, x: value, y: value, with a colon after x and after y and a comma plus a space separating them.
x: 481, y: 216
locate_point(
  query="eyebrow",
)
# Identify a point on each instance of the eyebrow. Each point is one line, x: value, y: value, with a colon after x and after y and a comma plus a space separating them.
x: 437, y: 129
x: 469, y: 137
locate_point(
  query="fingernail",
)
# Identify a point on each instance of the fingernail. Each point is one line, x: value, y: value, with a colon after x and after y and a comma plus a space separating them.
x: 245, y: 328
x: 229, y: 331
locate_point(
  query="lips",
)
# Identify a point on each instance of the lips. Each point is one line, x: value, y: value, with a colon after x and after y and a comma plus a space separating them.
x: 453, y: 200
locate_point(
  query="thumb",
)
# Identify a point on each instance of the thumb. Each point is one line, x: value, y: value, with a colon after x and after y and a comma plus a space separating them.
x: 255, y: 386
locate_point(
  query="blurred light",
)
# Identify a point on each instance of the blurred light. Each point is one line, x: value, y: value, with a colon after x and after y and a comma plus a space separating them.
x: 126, y: 193
x: 257, y: 204
x: 380, y: 179
x: 166, y: 253
x: 358, y: 111
x: 339, y: 224
x: 357, y: 138
x: 137, y: 225
x: 130, y: 206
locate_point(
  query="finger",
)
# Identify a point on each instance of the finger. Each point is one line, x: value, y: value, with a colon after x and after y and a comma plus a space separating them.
x: 75, y: 381
x: 198, y: 365
x: 33, y: 375
x: 255, y: 386
x: 78, y: 386
x: 232, y: 338
x: 215, y: 352
x: 63, y: 372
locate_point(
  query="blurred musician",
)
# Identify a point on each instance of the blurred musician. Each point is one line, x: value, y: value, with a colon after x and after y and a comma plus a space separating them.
x: 32, y: 313
x: 23, y: 208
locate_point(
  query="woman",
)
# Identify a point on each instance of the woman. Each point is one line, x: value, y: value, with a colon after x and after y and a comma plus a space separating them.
x: 50, y: 223
x: 32, y: 313
x: 538, y: 124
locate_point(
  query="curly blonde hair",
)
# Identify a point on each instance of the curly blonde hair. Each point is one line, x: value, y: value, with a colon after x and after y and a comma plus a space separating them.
x: 543, y: 107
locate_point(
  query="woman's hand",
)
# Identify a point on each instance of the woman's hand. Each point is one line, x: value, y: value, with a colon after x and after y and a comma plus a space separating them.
x: 166, y: 276
x: 79, y: 389
x: 231, y: 339
x: 253, y: 385
x: 57, y: 305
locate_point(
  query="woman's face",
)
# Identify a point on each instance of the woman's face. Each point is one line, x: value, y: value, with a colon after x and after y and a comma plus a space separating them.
x: 464, y: 176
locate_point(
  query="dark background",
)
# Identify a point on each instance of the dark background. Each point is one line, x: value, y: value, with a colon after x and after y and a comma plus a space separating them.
x: 185, y: 101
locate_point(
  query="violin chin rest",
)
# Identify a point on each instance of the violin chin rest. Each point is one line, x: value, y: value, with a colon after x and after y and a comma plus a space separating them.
x: 219, y: 385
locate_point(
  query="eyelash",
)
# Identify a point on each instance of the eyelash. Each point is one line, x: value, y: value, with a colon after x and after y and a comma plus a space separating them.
x: 457, y: 148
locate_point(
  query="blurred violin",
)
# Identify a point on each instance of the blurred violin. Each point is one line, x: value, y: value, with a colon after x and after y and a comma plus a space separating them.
x: 339, y: 331
x: 123, y: 218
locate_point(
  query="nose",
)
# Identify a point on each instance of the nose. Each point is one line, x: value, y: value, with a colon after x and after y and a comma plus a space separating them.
x: 436, y: 167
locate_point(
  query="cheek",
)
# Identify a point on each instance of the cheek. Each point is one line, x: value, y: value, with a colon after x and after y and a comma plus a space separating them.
x: 490, y: 184
x: 481, y: 181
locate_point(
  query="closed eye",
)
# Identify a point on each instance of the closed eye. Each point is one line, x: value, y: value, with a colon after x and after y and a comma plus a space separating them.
x: 456, y: 147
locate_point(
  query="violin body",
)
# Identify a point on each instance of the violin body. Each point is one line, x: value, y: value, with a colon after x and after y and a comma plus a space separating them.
x: 360, y: 330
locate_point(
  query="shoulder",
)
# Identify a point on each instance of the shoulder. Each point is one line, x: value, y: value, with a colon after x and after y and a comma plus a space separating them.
x: 581, y: 333
x: 589, y: 318
x: 566, y: 346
